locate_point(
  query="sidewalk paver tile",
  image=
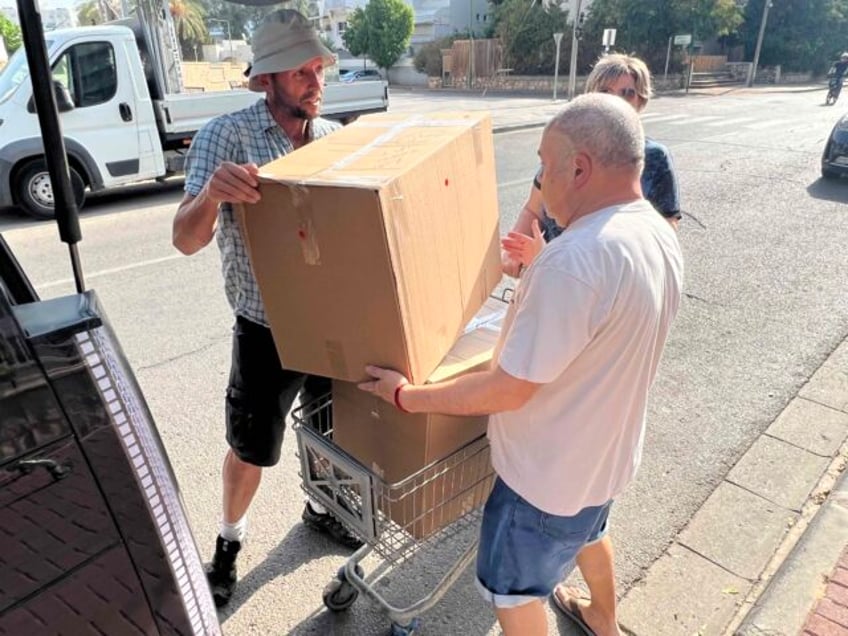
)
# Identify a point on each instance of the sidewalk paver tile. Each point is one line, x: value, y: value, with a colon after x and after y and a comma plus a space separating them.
x: 818, y: 428
x: 683, y: 593
x: 820, y: 626
x: 737, y: 530
x: 762, y: 470
x: 833, y: 612
x: 837, y: 593
x: 829, y: 385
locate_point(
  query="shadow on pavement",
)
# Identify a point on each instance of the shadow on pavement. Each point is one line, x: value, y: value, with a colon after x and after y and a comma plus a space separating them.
x: 460, y: 611
x: 829, y: 190
x: 301, y: 545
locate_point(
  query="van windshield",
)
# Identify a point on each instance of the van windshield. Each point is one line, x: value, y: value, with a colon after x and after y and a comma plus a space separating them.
x: 15, y: 73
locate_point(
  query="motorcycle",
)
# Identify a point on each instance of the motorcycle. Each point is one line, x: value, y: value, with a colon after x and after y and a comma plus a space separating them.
x: 834, y: 87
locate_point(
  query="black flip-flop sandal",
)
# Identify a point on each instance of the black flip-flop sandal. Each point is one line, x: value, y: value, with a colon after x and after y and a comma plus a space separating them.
x: 572, y: 612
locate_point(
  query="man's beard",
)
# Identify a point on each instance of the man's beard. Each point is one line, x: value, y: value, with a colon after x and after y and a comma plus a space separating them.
x: 294, y: 109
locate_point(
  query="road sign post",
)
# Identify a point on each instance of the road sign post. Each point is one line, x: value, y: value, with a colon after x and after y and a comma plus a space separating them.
x: 677, y: 40
x: 572, y: 71
x: 609, y: 39
x: 558, y: 40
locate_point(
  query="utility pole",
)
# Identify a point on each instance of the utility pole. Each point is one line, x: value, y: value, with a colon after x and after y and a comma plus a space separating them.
x: 753, y: 75
x: 470, y: 44
x: 572, y: 72
x: 558, y: 40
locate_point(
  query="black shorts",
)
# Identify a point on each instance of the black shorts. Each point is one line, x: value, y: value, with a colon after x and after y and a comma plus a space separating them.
x: 261, y: 393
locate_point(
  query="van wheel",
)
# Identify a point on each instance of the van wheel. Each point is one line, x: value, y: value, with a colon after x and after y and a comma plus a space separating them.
x: 35, y: 192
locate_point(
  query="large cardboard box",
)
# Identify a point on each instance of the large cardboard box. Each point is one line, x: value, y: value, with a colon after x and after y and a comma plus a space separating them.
x: 377, y: 243
x: 396, y: 445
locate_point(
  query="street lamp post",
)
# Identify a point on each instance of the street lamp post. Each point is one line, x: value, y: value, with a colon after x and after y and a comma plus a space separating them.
x: 558, y: 40
x: 753, y: 74
x: 575, y: 36
x: 229, y: 35
x: 470, y: 44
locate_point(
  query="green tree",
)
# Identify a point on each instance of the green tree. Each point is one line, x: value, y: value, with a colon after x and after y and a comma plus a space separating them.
x: 189, y: 23
x: 644, y: 28
x: 388, y: 26
x: 428, y: 58
x: 243, y: 19
x: 801, y: 35
x: 355, y: 36
x: 11, y: 34
x: 88, y: 13
x: 527, y: 33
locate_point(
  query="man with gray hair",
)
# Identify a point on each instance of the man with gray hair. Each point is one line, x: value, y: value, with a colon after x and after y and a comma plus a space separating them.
x: 579, y: 349
x: 222, y: 168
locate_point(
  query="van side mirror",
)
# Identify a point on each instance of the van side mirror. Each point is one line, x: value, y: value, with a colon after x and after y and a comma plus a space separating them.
x: 64, y: 102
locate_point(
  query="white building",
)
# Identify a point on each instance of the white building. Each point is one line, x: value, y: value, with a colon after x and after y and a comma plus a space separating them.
x: 51, y: 17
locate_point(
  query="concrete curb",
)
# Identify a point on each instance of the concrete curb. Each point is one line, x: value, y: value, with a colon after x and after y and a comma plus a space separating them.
x: 800, y: 581
x: 517, y: 127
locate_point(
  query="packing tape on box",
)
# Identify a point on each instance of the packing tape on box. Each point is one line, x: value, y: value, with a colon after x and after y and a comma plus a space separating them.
x: 393, y: 130
x: 397, y: 128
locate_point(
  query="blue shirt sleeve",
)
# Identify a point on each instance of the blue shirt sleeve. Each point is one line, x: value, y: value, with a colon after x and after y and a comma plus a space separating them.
x: 659, y: 182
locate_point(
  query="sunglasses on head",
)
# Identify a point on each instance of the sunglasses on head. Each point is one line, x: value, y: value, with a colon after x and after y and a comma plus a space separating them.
x: 625, y: 93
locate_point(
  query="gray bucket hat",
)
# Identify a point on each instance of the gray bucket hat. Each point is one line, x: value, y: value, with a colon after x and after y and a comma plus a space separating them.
x: 285, y: 40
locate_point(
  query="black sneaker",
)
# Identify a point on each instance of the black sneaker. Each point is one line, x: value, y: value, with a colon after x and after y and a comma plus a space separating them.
x: 221, y: 573
x: 332, y: 527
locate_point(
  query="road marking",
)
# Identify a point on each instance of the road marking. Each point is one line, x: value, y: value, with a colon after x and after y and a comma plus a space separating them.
x: 768, y: 123
x: 510, y: 184
x: 664, y: 117
x: 728, y: 122
x: 113, y: 270
x: 698, y: 120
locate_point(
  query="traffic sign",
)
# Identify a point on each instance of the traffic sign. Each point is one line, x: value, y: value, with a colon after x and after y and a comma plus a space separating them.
x: 609, y: 37
x: 683, y: 40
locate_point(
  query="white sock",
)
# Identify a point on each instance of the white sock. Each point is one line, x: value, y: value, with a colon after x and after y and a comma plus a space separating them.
x: 317, y: 508
x: 234, y: 531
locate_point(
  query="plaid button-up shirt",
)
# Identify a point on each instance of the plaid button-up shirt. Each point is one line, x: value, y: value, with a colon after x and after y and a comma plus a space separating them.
x: 246, y: 136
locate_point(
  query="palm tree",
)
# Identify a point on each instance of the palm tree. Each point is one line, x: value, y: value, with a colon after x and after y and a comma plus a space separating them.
x: 188, y: 21
x: 88, y: 13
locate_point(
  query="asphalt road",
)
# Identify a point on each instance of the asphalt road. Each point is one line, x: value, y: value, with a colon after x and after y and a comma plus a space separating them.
x: 766, y: 265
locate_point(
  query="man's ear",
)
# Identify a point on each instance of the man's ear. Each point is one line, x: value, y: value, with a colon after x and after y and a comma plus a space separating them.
x: 264, y: 80
x: 582, y: 168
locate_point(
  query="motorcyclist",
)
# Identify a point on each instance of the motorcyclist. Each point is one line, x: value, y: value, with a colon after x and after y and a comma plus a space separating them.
x: 839, y: 69
x: 836, y: 74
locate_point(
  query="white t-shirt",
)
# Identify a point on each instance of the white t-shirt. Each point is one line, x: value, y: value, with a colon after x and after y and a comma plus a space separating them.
x: 589, y: 321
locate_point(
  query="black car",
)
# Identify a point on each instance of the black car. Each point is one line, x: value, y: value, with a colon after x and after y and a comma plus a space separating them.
x: 835, y: 157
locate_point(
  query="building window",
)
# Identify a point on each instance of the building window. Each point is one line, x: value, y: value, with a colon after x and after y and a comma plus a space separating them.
x: 342, y: 27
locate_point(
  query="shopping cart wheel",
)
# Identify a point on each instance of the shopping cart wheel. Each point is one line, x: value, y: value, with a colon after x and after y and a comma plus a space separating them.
x: 408, y: 630
x: 339, y: 595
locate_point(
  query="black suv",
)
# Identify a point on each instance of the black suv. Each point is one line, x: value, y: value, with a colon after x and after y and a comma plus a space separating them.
x: 93, y: 535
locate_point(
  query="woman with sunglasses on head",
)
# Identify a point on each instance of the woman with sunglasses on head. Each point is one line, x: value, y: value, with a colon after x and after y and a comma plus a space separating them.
x: 629, y: 78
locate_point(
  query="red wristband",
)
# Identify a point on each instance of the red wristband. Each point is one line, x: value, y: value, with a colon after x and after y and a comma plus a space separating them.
x: 398, y: 405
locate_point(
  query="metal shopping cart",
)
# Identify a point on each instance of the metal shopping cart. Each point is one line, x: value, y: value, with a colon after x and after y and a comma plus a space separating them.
x: 438, y: 506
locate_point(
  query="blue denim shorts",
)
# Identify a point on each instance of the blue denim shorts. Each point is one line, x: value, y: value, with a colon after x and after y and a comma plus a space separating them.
x: 524, y: 553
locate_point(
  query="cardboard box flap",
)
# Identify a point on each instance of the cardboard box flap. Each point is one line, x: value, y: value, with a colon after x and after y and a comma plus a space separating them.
x: 372, y: 151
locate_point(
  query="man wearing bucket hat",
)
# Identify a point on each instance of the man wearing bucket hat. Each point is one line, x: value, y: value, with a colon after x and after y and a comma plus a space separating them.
x: 221, y: 170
